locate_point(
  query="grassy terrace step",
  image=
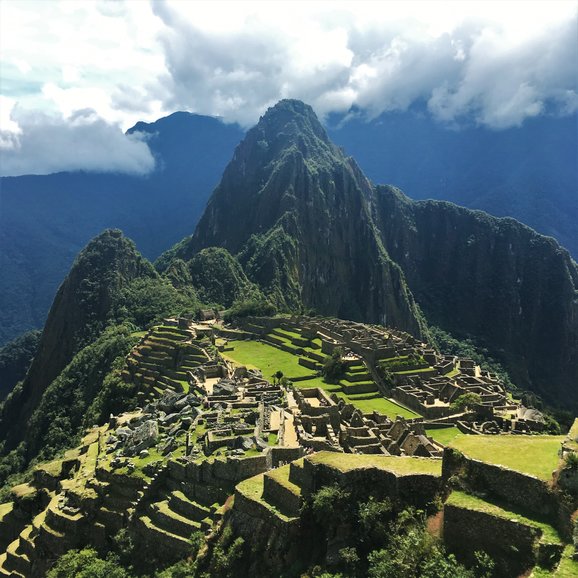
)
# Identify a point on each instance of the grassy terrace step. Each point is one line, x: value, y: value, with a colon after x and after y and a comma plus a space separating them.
x: 187, y: 508
x: 5, y: 572
x: 251, y: 492
x: 287, y: 334
x: 359, y: 388
x: 568, y: 568
x: 5, y: 510
x: 2, y: 560
x: 167, y: 519
x: 536, y: 455
x: 296, y: 471
x: 173, y: 332
x: 357, y: 377
x: 469, y: 502
x: 61, y: 521
x: 27, y: 545
x: 399, y: 465
x: 16, y: 561
x: 178, y: 542
x: 279, y: 491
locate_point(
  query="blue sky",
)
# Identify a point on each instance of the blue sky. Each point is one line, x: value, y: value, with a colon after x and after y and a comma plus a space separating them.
x: 79, y: 72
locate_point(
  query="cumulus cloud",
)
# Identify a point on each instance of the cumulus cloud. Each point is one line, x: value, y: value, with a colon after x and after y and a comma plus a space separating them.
x: 489, y: 63
x: 486, y: 70
x: 40, y: 144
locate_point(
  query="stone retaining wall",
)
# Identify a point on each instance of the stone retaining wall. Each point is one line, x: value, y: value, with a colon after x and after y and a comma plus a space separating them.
x: 282, y: 497
x: 509, y: 543
x: 416, y: 489
x: 524, y: 491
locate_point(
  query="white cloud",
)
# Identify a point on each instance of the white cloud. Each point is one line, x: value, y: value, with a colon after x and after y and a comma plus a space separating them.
x: 40, y: 144
x: 491, y: 63
x: 495, y: 64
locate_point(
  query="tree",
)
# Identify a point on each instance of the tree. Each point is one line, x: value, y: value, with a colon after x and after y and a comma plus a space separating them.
x: 86, y: 564
x: 277, y: 376
x: 465, y: 401
x: 334, y: 367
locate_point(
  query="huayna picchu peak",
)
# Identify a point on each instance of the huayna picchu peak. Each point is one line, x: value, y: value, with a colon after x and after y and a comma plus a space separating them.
x: 311, y: 230
x: 325, y: 379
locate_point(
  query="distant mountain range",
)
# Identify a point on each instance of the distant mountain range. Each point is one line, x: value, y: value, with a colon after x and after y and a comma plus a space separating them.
x: 528, y: 173
x: 46, y: 220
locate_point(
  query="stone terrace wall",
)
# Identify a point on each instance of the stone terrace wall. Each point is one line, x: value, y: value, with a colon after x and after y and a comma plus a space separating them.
x: 508, y: 542
x: 279, y: 542
x: 524, y: 491
x: 415, y: 489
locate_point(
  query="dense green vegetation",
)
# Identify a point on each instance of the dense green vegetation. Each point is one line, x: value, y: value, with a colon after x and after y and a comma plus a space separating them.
x: 465, y: 401
x: 219, y: 278
x: 110, y: 293
x: 382, y: 541
x: 15, y: 359
x: 270, y: 261
x: 86, y: 392
x: 87, y: 564
x: 148, y: 300
x: 333, y: 367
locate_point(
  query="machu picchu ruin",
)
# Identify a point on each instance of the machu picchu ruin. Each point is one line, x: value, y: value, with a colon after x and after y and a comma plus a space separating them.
x: 325, y: 379
x: 239, y: 425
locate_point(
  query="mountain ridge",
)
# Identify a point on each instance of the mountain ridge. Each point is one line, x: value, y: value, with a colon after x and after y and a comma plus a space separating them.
x: 302, y: 205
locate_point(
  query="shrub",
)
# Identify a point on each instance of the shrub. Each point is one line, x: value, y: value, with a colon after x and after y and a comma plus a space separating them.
x: 333, y: 367
x: 571, y: 461
x: 465, y: 401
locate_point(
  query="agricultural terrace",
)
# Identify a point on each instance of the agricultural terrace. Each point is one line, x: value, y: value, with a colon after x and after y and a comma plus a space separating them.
x: 536, y: 455
x: 395, y: 464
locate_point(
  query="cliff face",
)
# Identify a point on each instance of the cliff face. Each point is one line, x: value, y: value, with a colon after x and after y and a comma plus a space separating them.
x: 79, y: 313
x: 296, y: 212
x: 493, y: 279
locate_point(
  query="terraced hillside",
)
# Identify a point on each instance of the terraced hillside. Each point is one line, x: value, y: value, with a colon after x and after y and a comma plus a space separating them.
x: 222, y: 442
x: 165, y: 358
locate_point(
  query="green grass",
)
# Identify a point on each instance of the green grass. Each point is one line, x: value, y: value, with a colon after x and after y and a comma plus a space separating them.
x: 288, y: 334
x: 365, y: 402
x: 252, y: 489
x: 400, y: 465
x: 412, y: 371
x: 567, y: 568
x: 534, y: 455
x: 444, y: 435
x: 5, y: 509
x: 281, y: 476
x: 467, y: 501
x: 138, y: 334
x: 380, y: 404
x: 267, y: 358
